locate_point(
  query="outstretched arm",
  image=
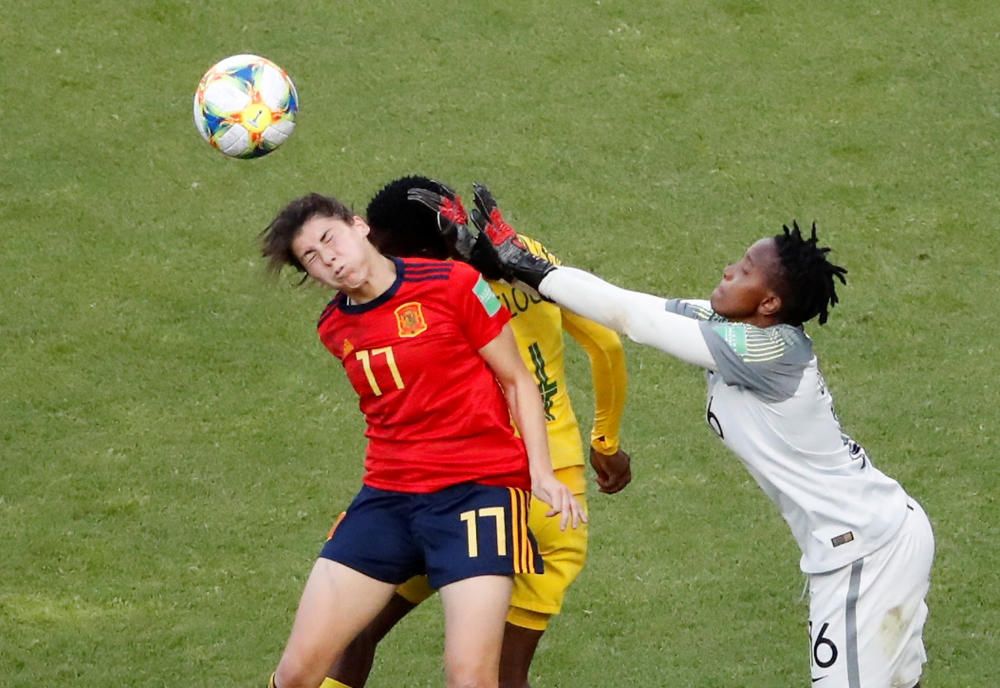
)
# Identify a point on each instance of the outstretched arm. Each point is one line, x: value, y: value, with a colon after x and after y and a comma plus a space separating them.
x: 641, y: 317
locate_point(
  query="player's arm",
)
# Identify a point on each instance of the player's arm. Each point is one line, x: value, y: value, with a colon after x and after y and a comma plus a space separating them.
x: 526, y: 407
x: 643, y: 318
x: 608, y: 374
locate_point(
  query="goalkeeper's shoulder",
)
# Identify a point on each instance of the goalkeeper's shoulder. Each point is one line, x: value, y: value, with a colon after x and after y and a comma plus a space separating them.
x: 697, y: 309
x: 538, y: 248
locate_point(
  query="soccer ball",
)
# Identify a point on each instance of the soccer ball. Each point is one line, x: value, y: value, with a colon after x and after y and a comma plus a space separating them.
x: 245, y: 106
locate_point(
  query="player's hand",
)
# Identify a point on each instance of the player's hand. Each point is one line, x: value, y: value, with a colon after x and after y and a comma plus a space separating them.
x: 516, y: 261
x: 488, y: 218
x: 614, y: 471
x: 556, y: 495
x: 471, y: 247
x: 452, y: 219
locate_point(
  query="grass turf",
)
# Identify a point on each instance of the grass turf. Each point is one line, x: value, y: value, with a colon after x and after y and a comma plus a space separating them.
x: 175, y: 441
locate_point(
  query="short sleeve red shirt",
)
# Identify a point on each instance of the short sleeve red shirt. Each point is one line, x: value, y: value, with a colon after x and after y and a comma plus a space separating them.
x: 436, y: 415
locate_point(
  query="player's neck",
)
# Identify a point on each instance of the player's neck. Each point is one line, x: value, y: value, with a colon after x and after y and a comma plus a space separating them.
x: 761, y: 320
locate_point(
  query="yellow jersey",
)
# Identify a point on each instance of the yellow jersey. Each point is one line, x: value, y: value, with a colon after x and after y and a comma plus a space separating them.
x: 538, y: 327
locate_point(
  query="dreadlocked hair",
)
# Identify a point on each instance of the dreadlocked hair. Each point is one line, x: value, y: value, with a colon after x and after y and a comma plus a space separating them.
x: 400, y: 227
x: 809, y: 278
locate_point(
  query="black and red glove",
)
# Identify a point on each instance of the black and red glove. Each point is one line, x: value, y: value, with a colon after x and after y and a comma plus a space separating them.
x: 516, y: 261
x: 473, y: 248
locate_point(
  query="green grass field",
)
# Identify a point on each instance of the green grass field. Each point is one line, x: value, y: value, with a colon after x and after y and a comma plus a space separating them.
x: 174, y: 441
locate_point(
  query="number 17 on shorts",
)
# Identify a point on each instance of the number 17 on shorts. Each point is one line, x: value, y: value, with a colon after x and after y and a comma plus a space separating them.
x: 478, y: 530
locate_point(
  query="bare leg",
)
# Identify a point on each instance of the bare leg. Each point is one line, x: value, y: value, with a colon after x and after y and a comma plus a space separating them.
x: 355, y: 664
x: 519, y: 645
x: 475, y: 610
x: 337, y: 603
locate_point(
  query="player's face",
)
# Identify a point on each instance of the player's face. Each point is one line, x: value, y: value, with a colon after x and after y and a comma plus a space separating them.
x: 335, y: 253
x: 745, y: 291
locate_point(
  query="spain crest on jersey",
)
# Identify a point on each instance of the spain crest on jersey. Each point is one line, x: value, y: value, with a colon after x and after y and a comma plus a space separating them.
x: 410, y: 319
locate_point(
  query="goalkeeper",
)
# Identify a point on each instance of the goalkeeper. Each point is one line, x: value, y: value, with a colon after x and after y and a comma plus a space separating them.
x: 867, y: 546
x: 404, y: 228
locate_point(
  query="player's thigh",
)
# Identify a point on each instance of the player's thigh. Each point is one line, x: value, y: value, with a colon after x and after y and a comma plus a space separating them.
x: 475, y: 610
x: 336, y: 604
x: 866, y: 620
x: 564, y: 553
x: 472, y: 530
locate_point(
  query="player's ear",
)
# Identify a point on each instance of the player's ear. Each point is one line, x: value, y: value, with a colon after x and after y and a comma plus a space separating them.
x: 361, y: 225
x: 770, y: 305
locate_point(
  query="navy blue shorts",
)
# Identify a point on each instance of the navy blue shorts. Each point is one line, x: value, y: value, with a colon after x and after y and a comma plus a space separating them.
x: 459, y: 532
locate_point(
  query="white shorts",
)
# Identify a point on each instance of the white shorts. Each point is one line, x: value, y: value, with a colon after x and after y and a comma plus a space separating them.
x: 866, y: 619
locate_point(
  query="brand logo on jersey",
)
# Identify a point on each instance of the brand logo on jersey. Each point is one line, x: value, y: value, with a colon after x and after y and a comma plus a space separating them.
x: 735, y: 335
x: 548, y: 388
x: 856, y: 451
x: 346, y: 348
x: 410, y: 319
x: 490, y: 302
x: 842, y: 539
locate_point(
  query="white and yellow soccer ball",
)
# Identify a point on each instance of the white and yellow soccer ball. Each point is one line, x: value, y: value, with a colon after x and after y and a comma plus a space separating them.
x: 245, y: 106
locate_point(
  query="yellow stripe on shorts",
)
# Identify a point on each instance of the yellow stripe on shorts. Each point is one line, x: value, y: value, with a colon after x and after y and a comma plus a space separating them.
x: 524, y: 553
x: 333, y: 528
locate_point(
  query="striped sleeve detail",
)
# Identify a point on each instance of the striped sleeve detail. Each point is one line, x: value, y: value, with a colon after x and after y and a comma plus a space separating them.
x: 695, y: 309
x: 700, y: 312
x: 423, y: 272
x: 427, y: 278
x: 752, y: 344
x: 764, y: 346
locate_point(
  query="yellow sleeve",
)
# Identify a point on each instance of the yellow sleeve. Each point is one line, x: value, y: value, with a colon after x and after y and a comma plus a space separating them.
x: 609, y: 375
x: 607, y: 367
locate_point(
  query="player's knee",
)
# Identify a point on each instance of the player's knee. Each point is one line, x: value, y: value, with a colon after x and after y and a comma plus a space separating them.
x: 294, y: 675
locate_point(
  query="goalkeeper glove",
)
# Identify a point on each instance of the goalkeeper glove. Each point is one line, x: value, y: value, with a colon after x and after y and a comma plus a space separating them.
x: 515, y: 260
x: 475, y: 249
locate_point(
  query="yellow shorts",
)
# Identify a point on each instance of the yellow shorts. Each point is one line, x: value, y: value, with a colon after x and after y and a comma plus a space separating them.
x: 537, y: 597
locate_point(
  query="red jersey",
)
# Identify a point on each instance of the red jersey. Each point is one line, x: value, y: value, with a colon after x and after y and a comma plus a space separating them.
x: 436, y: 414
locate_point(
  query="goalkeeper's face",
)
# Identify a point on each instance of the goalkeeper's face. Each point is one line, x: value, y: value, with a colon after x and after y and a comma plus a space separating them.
x: 334, y: 252
x: 746, y: 292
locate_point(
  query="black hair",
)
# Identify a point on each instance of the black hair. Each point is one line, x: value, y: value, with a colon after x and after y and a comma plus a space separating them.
x: 401, y: 227
x: 808, y: 278
x: 276, y: 240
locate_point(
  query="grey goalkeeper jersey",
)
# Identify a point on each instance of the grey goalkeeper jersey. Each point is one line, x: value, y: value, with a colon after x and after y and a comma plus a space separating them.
x: 769, y: 404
